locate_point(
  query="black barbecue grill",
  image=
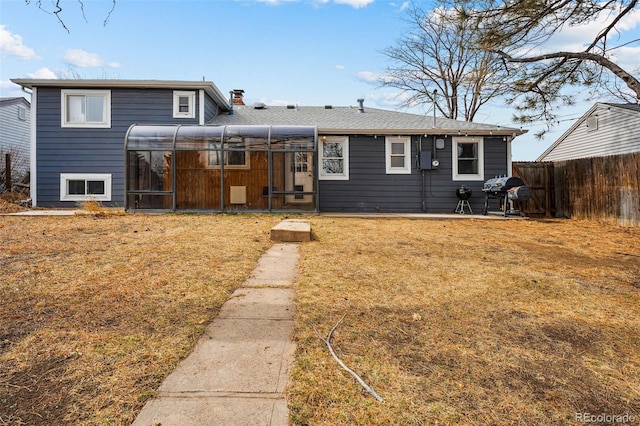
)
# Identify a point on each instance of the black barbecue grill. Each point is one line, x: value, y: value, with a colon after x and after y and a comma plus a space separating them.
x: 463, y: 193
x: 505, y: 189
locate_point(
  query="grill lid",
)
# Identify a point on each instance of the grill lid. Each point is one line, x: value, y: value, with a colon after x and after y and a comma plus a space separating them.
x: 502, y: 184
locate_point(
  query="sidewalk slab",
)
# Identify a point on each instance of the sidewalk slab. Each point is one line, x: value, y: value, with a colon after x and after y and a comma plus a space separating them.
x: 236, y: 356
x: 239, y: 369
x: 216, y: 411
x: 261, y: 303
x: 278, y: 267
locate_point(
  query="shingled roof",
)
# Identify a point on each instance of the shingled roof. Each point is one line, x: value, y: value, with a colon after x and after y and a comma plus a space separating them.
x: 349, y: 120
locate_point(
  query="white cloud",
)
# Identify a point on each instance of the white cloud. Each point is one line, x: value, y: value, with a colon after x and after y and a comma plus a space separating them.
x: 388, y: 100
x: 354, y: 3
x: 316, y: 3
x: 340, y: 67
x: 11, y: 44
x: 576, y: 37
x: 275, y: 2
x: 83, y: 59
x: 368, y: 76
x: 10, y: 90
x: 403, y: 6
x: 7, y: 84
x: 43, y: 73
x: 627, y: 58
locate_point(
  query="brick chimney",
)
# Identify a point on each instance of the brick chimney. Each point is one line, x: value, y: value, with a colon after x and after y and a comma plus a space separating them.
x: 238, y: 94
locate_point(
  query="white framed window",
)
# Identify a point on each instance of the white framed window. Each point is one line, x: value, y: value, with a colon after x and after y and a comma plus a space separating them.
x: 231, y: 159
x: 85, y: 187
x: 334, y: 158
x: 86, y: 108
x: 398, y: 154
x: 184, y: 104
x: 468, y: 158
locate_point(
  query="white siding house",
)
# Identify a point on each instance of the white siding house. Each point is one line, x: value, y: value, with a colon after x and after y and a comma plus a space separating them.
x: 606, y: 129
x: 15, y: 134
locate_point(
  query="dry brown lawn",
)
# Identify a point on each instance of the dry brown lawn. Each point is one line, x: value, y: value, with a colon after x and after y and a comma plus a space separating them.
x: 96, y: 310
x: 468, y: 322
x: 451, y: 322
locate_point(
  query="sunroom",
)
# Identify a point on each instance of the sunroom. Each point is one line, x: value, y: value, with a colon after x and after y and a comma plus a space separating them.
x: 221, y: 168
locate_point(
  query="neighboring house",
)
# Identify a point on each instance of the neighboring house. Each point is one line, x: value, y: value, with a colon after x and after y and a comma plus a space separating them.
x: 170, y: 145
x: 606, y: 129
x: 15, y: 131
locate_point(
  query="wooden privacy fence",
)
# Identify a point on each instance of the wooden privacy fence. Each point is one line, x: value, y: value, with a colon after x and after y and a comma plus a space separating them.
x: 605, y: 189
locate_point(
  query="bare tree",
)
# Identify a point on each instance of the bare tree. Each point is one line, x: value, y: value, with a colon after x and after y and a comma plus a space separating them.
x: 519, y: 30
x: 438, y: 56
x: 58, y: 6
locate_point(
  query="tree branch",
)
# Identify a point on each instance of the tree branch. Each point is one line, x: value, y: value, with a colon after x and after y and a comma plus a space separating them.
x: 327, y: 342
x: 631, y: 81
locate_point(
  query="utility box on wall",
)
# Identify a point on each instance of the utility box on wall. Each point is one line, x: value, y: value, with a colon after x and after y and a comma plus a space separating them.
x: 425, y: 160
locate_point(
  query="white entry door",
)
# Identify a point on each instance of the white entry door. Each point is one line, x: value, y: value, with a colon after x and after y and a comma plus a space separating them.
x: 300, y: 176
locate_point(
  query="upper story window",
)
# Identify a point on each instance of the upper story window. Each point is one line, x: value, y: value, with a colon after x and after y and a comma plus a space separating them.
x: 184, y: 104
x: 398, y: 155
x: 334, y: 158
x: 86, y: 108
x: 468, y: 158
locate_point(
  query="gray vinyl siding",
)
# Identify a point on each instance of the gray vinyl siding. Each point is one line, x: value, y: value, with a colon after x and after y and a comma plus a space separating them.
x: 94, y: 150
x: 210, y: 108
x: 370, y: 190
x: 617, y: 133
x: 15, y: 135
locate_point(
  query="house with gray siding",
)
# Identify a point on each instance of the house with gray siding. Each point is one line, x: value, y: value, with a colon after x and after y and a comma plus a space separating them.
x: 79, y: 128
x: 606, y: 129
x: 170, y: 145
x: 15, y: 131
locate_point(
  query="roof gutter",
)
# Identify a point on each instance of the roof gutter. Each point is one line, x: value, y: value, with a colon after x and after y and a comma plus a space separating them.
x: 207, y: 86
x: 448, y: 132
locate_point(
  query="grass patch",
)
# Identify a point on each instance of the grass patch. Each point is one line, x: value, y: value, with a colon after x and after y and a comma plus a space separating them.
x: 451, y: 322
x: 96, y: 310
x: 468, y: 322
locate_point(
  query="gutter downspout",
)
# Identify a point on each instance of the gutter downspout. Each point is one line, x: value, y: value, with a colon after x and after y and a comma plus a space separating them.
x: 33, y: 187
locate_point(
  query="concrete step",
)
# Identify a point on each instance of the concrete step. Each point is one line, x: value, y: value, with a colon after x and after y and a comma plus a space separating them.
x: 292, y: 231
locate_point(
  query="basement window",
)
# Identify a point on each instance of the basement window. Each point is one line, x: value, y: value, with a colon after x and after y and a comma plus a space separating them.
x: 85, y: 187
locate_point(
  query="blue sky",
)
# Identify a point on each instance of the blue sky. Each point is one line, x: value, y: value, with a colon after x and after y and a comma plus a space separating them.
x: 310, y: 52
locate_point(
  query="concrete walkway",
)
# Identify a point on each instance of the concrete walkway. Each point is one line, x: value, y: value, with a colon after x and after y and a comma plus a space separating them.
x: 239, y: 369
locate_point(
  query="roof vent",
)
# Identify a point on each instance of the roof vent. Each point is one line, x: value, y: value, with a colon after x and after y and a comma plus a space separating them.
x: 259, y: 105
x: 328, y: 107
x: 291, y: 106
x: 361, y: 107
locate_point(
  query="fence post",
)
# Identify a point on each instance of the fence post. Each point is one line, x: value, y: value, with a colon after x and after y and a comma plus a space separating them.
x: 547, y: 189
x: 7, y: 172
